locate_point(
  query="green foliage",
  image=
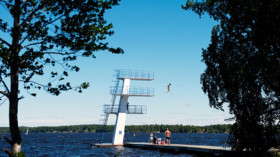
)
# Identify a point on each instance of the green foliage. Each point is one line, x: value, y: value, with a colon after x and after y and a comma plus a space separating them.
x: 4, y: 130
x: 20, y: 154
x: 219, y: 128
x: 52, y: 33
x: 243, y: 68
x: 117, y: 154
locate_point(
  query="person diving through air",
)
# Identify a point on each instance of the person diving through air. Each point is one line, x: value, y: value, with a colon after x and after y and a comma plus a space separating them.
x: 168, y: 87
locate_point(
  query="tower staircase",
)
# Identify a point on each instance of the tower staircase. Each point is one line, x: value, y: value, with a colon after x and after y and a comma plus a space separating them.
x: 105, y: 115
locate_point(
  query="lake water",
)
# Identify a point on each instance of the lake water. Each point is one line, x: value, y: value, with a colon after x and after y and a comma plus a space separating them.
x: 81, y: 144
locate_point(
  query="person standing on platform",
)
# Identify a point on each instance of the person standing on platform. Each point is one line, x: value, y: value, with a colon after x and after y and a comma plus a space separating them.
x: 167, y: 136
x: 151, y: 138
x: 155, y: 140
x: 127, y: 107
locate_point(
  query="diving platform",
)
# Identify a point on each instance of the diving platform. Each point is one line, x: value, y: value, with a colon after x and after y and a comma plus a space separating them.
x: 123, y: 89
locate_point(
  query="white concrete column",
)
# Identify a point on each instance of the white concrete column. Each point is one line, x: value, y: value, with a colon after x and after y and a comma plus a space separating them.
x: 119, y: 129
x: 121, y: 116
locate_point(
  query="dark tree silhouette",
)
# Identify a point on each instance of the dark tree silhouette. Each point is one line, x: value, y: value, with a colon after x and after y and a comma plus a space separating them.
x: 40, y: 33
x: 243, y: 68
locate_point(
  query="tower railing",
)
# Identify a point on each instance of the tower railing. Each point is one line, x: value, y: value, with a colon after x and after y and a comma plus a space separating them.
x: 132, y: 91
x: 132, y: 109
x: 135, y: 74
x: 137, y: 109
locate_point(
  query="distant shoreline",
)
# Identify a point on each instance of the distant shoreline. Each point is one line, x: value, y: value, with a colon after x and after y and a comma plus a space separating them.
x: 218, y: 128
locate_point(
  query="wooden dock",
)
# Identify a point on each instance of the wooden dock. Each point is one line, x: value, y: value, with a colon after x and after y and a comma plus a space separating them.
x: 105, y: 145
x: 179, y: 148
x: 202, y: 150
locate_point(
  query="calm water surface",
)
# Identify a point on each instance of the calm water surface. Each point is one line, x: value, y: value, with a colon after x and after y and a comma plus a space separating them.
x: 81, y: 144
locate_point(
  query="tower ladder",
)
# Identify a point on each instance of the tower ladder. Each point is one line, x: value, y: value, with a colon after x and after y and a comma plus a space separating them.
x: 106, y: 116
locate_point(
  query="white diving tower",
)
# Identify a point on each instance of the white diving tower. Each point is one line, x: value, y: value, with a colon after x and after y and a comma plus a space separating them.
x: 124, y: 91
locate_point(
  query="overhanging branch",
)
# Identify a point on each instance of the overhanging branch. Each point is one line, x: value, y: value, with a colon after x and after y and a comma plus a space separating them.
x: 39, y: 84
x: 59, y: 53
x: 30, y: 16
x: 53, y: 20
x: 8, y: 140
x: 5, y: 42
x: 7, y: 151
x: 5, y: 85
x: 32, y: 44
x: 5, y: 94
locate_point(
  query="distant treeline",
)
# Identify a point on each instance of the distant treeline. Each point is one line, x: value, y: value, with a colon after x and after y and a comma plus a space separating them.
x: 219, y: 128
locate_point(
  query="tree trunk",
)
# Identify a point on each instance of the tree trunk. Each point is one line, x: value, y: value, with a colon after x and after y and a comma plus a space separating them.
x: 14, y: 67
x: 14, y: 129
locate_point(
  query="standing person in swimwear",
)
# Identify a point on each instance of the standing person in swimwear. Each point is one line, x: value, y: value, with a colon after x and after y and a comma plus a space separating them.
x: 167, y: 136
x: 151, y: 138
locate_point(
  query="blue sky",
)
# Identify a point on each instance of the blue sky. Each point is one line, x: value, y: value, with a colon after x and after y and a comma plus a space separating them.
x: 156, y: 36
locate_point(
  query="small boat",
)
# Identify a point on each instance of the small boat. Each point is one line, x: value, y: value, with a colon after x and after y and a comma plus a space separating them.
x: 27, y: 131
